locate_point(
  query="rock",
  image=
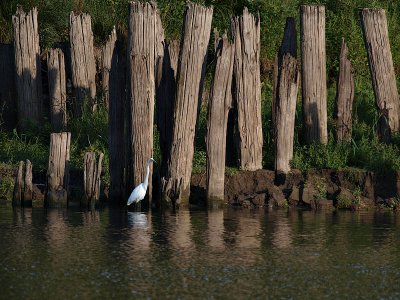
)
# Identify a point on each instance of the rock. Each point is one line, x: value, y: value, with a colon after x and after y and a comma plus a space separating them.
x: 246, y: 204
x: 294, y: 197
x: 366, y: 203
x: 276, y: 197
x: 259, y: 199
x: 322, y: 204
x: 346, y: 199
x: 308, y: 194
x: 392, y: 203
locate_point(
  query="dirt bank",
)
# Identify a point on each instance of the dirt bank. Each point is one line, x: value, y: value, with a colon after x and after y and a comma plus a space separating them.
x: 317, y: 189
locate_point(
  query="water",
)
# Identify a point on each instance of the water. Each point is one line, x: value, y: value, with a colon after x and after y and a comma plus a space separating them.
x: 231, y: 254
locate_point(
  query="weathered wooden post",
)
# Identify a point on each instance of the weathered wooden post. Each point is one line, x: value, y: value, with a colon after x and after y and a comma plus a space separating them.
x: 313, y: 60
x: 58, y: 170
x: 23, y: 187
x: 376, y: 38
x: 116, y: 123
x: 218, y: 109
x: 82, y: 61
x: 246, y: 36
x: 91, y: 181
x: 141, y: 89
x: 28, y: 67
x: 344, y: 97
x: 165, y: 96
x: 193, y: 55
x: 286, y: 76
x: 57, y: 89
x: 8, y: 93
x: 107, y: 54
x: 285, y: 110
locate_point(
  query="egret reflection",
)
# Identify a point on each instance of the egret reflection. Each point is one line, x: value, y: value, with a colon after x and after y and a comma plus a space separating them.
x: 137, y: 219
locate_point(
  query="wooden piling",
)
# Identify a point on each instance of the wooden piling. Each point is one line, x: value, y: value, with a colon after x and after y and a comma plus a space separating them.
x: 92, y: 182
x: 8, y: 92
x: 246, y: 36
x: 28, y: 67
x: 83, y: 64
x: 141, y: 90
x: 107, y: 54
x: 218, y: 109
x: 23, y: 187
x: 165, y: 96
x: 191, y: 65
x: 344, y: 97
x: 58, y: 170
x: 313, y: 60
x: 377, y: 44
x: 57, y: 89
x: 286, y: 81
x: 116, y: 124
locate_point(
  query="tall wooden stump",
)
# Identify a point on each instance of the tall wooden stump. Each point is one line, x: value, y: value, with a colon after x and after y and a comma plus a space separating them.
x: 218, y: 109
x: 285, y: 110
x: 193, y: 55
x: 57, y: 89
x: 28, y: 67
x: 116, y: 124
x: 246, y: 35
x: 141, y: 89
x: 91, y: 179
x: 8, y: 93
x: 82, y: 61
x: 165, y: 96
x: 376, y: 38
x: 344, y: 97
x: 23, y: 187
x: 107, y: 54
x: 286, y: 81
x: 58, y: 170
x: 313, y: 60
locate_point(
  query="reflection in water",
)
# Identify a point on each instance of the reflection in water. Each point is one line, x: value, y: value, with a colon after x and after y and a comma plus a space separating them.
x: 198, y: 254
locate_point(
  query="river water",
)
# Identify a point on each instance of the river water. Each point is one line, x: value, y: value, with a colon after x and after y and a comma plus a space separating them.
x: 227, y: 254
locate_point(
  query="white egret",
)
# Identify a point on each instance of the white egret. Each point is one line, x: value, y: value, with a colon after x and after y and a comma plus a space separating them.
x: 139, y: 192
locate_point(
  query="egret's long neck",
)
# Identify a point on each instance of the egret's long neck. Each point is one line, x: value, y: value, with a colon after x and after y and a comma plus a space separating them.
x: 146, y: 178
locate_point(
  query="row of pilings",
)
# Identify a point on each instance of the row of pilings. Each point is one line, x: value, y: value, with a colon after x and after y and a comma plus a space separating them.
x: 144, y: 71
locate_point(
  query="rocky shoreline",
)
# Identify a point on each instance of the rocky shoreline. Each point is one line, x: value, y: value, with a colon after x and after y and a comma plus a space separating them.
x: 314, y: 189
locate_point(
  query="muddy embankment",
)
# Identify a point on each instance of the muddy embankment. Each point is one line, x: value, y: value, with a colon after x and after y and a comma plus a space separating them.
x: 315, y: 189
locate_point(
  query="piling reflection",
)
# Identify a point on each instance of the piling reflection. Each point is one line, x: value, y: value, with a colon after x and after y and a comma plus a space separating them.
x: 135, y: 251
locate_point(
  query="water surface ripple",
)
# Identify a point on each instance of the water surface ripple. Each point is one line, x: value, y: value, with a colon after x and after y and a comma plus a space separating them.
x: 227, y: 254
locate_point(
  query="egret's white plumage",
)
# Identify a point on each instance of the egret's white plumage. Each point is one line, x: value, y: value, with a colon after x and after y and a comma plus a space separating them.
x: 139, y: 192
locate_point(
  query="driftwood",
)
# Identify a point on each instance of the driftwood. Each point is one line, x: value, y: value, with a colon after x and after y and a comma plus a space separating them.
x: 58, y: 170
x: 141, y: 89
x: 83, y: 64
x: 106, y: 60
x: 286, y: 81
x: 116, y: 118
x: 28, y: 67
x: 23, y: 187
x: 91, y: 179
x: 218, y: 109
x: 246, y: 35
x: 8, y: 93
x: 344, y: 97
x: 57, y: 89
x: 376, y: 38
x: 175, y: 186
x: 313, y: 60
